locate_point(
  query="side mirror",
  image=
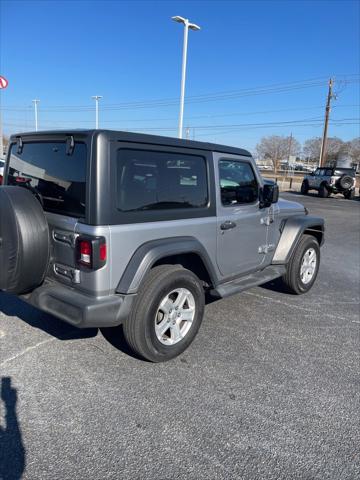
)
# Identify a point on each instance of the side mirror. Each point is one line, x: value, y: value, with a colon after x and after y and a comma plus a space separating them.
x: 312, y: 174
x: 269, y: 194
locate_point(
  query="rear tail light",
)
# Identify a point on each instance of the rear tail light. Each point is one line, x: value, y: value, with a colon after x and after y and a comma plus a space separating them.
x: 91, y: 252
x: 1, y: 179
x: 102, y: 252
x: 85, y: 251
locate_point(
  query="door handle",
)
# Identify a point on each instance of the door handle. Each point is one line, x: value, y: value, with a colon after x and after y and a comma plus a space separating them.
x: 228, y: 225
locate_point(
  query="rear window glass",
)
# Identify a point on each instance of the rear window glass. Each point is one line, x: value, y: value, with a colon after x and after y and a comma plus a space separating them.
x: 150, y: 180
x: 58, y: 179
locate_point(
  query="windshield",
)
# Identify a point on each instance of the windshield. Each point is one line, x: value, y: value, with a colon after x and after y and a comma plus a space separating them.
x: 56, y: 178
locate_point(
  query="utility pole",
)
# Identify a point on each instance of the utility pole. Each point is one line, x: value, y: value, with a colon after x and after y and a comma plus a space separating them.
x: 289, y: 154
x: 35, y: 102
x: 290, y: 145
x: 97, y: 98
x: 326, y: 122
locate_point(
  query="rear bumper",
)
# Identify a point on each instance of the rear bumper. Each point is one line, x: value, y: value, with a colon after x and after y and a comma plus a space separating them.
x: 79, y: 309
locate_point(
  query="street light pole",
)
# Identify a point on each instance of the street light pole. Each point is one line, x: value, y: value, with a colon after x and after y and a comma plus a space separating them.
x: 97, y: 98
x: 194, y: 27
x: 35, y: 102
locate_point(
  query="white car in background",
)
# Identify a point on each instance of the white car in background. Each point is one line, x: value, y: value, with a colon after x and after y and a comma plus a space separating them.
x: 1, y: 171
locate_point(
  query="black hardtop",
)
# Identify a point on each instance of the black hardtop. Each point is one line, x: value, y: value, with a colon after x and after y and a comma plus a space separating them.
x: 344, y: 171
x: 114, y: 135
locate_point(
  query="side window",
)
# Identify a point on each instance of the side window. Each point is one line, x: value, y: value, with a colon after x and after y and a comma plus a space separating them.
x: 238, y: 183
x: 328, y: 172
x: 318, y: 172
x: 150, y: 180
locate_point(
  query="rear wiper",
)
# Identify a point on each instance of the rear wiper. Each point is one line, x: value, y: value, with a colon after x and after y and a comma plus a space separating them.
x: 70, y: 145
x: 20, y: 145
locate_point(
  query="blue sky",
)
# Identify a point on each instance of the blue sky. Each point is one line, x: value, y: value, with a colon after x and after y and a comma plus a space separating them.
x: 63, y: 52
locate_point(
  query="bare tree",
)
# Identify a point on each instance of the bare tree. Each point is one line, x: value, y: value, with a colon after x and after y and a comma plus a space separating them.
x: 354, y: 149
x: 312, y: 148
x: 277, y: 148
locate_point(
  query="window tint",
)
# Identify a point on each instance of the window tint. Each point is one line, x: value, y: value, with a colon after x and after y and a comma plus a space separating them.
x: 238, y: 183
x: 45, y: 169
x: 149, y: 180
x: 328, y: 171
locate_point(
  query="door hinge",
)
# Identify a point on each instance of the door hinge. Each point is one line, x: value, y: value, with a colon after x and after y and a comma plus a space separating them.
x: 264, y: 249
x: 267, y: 220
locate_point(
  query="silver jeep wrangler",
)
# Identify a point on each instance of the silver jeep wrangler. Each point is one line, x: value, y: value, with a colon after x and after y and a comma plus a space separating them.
x: 104, y: 228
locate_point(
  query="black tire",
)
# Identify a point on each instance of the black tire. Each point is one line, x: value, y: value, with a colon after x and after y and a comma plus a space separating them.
x: 24, y: 240
x: 323, y: 191
x: 345, y: 182
x: 304, y: 187
x: 139, y: 328
x: 292, y: 278
x: 350, y: 194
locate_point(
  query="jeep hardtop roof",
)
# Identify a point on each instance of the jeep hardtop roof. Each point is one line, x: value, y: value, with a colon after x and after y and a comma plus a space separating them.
x: 115, y: 135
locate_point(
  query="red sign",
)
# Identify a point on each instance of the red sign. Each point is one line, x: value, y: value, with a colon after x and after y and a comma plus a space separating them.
x: 3, y: 82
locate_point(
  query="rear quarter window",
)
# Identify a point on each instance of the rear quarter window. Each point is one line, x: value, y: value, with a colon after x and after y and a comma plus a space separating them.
x: 151, y: 180
x: 46, y: 169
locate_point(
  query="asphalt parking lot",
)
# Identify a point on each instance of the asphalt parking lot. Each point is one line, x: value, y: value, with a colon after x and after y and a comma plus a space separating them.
x: 269, y: 389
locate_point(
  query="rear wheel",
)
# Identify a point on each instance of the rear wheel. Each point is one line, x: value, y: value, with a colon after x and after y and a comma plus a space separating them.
x: 323, y: 191
x: 350, y: 194
x: 304, y: 187
x: 168, y: 312
x: 303, y: 267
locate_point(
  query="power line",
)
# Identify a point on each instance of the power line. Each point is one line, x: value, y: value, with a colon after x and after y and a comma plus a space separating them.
x: 313, y: 121
x: 226, y: 95
x: 232, y: 114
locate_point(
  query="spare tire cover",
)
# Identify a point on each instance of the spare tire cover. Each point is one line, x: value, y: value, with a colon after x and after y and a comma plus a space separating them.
x: 24, y: 240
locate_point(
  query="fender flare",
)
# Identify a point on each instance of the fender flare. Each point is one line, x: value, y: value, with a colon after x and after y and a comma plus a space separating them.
x: 291, y: 231
x: 150, y: 252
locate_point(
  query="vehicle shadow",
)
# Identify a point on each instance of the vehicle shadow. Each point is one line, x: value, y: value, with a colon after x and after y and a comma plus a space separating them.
x: 12, y: 306
x: 276, y: 286
x: 315, y: 195
x: 12, y: 450
x: 115, y: 336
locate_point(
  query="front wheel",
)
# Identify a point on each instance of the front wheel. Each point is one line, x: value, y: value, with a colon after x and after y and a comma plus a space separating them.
x: 167, y: 314
x: 304, y: 188
x: 303, y: 267
x: 323, y: 191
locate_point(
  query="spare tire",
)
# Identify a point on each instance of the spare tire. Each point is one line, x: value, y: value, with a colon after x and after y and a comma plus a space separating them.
x: 24, y: 240
x: 345, y: 182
